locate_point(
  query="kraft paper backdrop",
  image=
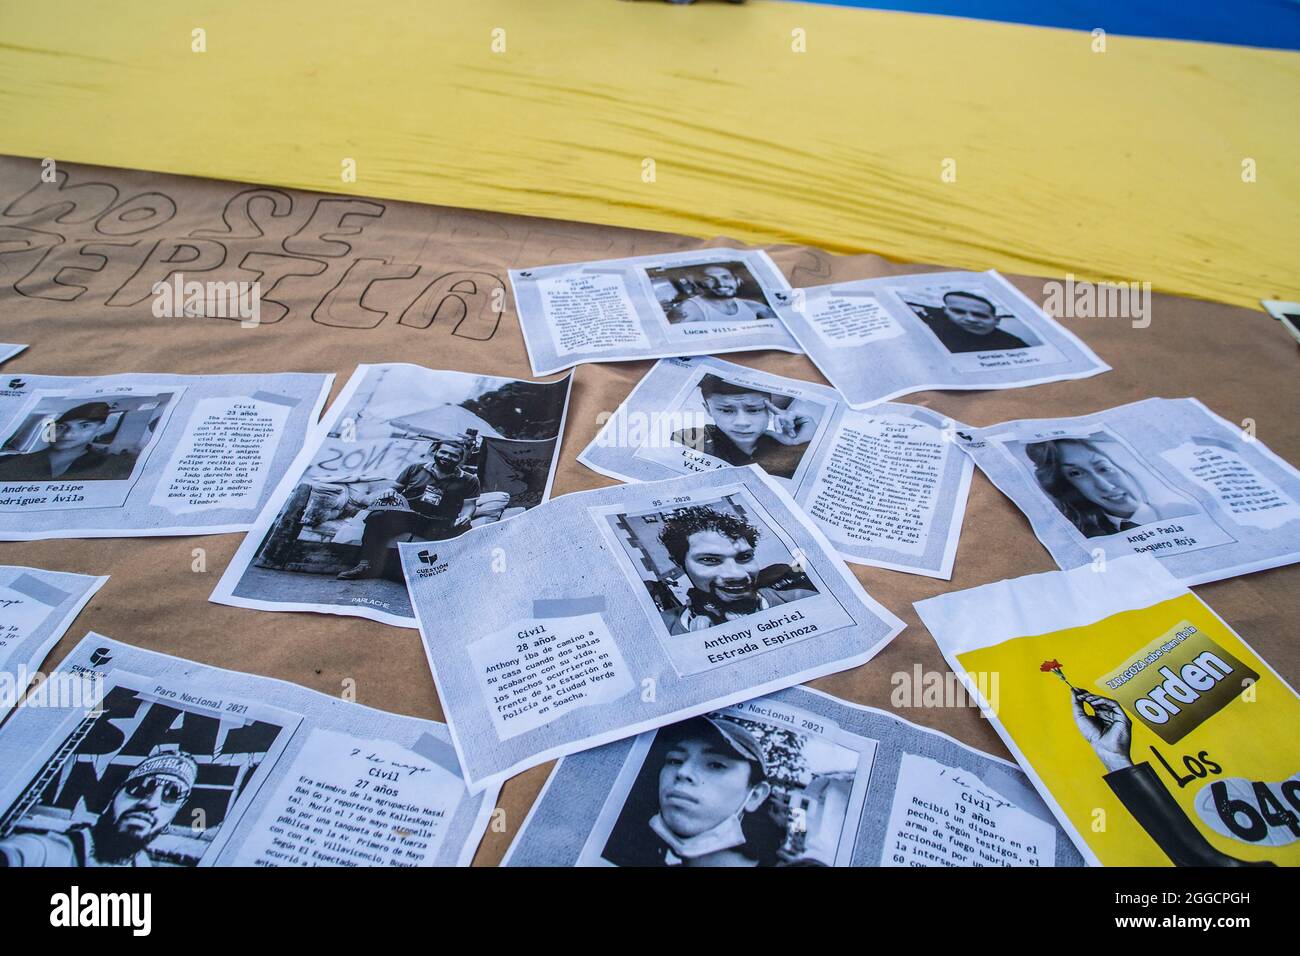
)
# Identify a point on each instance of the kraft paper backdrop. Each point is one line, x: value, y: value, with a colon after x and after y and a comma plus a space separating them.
x: 1238, y: 361
x: 1126, y: 163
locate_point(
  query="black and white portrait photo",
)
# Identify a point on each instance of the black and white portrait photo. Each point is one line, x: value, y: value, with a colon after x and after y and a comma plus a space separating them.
x: 147, y: 782
x: 77, y: 439
x: 709, y: 564
x: 968, y: 319
x: 716, y: 292
x: 728, y: 790
x: 410, y: 455
x: 1101, y: 486
x: 744, y: 424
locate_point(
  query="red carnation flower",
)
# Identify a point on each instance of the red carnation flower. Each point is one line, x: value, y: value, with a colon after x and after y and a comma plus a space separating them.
x: 1054, y: 667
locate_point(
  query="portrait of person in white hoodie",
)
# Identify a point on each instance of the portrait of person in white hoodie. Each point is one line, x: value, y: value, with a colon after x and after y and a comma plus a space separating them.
x: 712, y: 786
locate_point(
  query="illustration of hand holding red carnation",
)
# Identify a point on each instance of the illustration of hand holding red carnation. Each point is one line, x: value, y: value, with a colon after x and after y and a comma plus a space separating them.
x: 1107, y: 729
x: 1109, y: 732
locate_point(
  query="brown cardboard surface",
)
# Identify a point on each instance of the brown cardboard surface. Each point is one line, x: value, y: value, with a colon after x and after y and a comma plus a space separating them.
x: 402, y: 282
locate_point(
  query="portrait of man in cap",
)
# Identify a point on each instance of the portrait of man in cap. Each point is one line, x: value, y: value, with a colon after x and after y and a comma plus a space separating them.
x: 705, y: 795
x: 732, y: 788
x: 714, y: 775
x: 69, y: 451
x: 141, y: 808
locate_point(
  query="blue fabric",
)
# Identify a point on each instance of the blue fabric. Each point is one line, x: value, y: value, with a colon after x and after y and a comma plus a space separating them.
x: 1262, y: 23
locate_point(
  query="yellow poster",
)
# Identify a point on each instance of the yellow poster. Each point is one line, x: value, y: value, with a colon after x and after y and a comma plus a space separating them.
x: 1160, y: 737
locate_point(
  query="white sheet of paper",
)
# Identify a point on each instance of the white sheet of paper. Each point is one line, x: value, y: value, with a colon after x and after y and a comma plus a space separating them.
x: 284, y: 776
x: 704, y: 301
x: 36, y: 609
x: 846, y: 785
x: 170, y: 455
x: 887, y: 486
x: 879, y: 339
x: 1165, y: 477
x: 349, y: 801
x: 382, y: 425
x: 636, y: 644
x: 947, y: 817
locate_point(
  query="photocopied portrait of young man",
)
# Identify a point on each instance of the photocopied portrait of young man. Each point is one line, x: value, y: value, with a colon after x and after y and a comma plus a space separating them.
x: 719, y: 292
x: 731, y: 789
x: 81, y: 439
x: 712, y: 564
x: 702, y: 798
x: 965, y: 321
x: 712, y: 788
x: 885, y: 486
x: 141, y: 808
x: 751, y: 426
x: 126, y: 782
x: 982, y: 323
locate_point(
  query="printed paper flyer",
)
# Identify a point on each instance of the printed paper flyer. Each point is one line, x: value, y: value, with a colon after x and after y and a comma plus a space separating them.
x: 123, y: 456
x: 887, y: 487
x: 135, y: 758
x: 1153, y: 730
x: 36, y: 609
x: 1165, y: 477
x: 605, y: 613
x: 703, y: 302
x: 797, y: 778
x: 877, y: 339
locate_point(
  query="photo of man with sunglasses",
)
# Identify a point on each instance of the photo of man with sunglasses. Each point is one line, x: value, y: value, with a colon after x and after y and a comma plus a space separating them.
x: 141, y: 808
x: 968, y: 323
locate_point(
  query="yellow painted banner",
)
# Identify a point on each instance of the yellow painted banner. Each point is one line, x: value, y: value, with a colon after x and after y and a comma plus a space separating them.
x: 921, y: 138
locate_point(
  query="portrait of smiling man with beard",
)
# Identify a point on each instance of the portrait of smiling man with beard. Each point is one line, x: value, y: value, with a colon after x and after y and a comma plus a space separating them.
x: 711, y: 293
x: 141, y: 808
x: 717, y: 552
